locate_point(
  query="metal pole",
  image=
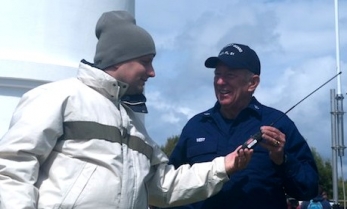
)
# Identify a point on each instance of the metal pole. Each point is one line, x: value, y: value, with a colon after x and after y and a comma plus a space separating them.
x: 338, y: 134
x: 339, y: 119
x: 339, y: 96
x: 337, y: 42
x: 334, y: 147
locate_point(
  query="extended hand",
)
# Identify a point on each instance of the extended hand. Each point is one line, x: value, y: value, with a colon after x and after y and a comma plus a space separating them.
x: 237, y: 160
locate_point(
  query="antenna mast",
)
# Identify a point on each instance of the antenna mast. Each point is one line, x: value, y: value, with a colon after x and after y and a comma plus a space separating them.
x: 337, y: 135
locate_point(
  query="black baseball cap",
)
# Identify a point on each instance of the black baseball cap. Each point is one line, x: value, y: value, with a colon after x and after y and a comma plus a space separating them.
x: 236, y: 56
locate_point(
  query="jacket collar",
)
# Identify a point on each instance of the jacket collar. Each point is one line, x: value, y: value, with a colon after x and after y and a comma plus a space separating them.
x: 110, y: 87
x: 101, y: 81
x: 136, y: 102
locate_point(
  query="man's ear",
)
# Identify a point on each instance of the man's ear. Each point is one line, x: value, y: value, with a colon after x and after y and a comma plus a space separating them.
x: 254, y: 82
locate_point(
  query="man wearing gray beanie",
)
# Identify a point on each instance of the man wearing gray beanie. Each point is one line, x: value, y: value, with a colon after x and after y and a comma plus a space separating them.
x: 76, y: 143
x: 120, y: 40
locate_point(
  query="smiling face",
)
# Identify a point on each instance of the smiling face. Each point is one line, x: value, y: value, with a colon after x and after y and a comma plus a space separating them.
x: 234, y: 89
x: 134, y: 72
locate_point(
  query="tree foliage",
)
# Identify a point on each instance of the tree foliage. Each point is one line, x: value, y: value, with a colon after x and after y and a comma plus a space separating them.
x: 325, y: 172
x: 170, y: 145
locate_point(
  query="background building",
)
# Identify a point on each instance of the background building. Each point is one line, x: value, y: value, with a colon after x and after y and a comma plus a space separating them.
x: 43, y: 41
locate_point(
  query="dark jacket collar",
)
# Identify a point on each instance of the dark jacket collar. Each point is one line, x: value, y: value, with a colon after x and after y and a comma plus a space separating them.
x: 135, y: 102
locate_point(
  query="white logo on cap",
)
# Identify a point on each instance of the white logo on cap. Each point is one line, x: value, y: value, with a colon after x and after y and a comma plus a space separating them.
x: 227, y: 53
x: 237, y: 47
x: 231, y: 53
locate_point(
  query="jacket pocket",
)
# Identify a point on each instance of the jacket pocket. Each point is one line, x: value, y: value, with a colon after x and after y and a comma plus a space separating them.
x: 78, y: 186
x: 204, y: 150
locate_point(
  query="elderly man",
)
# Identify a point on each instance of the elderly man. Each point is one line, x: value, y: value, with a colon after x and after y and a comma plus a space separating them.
x: 283, y: 164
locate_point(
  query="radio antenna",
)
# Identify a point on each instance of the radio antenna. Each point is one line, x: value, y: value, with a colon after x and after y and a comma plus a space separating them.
x: 249, y: 144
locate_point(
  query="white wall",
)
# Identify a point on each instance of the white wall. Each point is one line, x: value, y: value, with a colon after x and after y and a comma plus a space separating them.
x: 43, y: 41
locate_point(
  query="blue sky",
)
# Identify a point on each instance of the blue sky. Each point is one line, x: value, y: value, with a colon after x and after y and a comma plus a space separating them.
x: 294, y: 39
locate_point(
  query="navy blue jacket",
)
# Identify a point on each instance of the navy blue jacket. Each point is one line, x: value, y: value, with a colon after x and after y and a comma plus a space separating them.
x: 262, y: 184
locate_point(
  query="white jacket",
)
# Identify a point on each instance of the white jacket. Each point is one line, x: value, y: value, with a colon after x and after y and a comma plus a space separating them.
x: 72, y: 144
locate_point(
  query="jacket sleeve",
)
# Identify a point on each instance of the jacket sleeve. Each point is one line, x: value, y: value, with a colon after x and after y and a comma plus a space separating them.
x: 299, y: 169
x: 35, y: 126
x: 186, y: 184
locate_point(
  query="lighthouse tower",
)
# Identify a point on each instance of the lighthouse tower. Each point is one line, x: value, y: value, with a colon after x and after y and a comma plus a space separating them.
x: 43, y: 41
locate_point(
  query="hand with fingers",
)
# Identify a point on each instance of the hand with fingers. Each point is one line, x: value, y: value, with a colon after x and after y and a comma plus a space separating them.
x: 237, y: 160
x: 274, y: 141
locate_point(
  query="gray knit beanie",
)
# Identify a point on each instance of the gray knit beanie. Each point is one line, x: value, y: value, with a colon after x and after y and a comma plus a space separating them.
x: 120, y: 39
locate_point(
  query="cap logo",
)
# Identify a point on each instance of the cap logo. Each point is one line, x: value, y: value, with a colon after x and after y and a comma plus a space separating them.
x: 226, y: 52
x: 237, y: 47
